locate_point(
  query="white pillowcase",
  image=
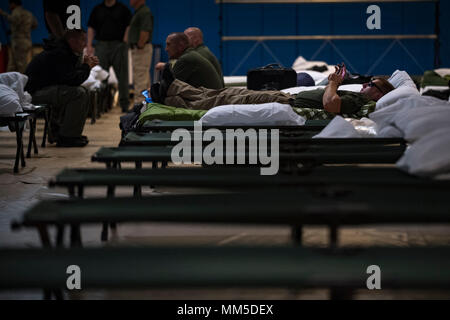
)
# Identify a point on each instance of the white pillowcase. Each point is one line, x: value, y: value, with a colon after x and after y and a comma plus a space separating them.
x: 401, y: 79
x: 395, y: 95
x: 405, y: 87
x: 253, y: 114
x: 429, y: 156
x: 9, y: 101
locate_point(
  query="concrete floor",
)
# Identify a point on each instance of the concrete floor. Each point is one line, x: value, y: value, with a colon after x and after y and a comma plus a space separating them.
x: 19, y: 192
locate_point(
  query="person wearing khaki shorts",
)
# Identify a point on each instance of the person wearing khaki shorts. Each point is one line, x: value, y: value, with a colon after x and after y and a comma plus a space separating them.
x: 139, y: 40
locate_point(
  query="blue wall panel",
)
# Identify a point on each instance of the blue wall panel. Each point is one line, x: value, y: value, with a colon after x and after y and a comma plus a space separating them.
x: 292, y: 19
x: 341, y: 19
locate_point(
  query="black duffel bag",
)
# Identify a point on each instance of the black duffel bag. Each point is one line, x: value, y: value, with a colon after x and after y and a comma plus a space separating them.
x: 271, y: 77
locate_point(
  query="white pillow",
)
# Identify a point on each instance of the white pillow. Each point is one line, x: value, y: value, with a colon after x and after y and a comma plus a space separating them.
x: 9, y: 101
x: 405, y: 87
x: 253, y: 114
x: 17, y: 82
x: 401, y: 79
x: 429, y: 156
x: 395, y: 95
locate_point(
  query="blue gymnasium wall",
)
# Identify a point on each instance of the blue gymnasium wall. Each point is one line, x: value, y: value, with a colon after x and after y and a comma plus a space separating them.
x: 293, y: 19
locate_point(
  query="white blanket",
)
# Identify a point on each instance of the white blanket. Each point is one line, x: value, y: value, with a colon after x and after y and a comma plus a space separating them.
x: 415, y: 123
x: 428, y: 156
x: 349, y: 128
x: 395, y: 118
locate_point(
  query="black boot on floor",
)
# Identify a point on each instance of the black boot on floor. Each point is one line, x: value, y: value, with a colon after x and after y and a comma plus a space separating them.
x: 72, y: 142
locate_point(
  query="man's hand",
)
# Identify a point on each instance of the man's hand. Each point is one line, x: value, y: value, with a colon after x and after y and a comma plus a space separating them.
x: 91, y: 61
x: 338, y: 76
x: 331, y: 100
x: 160, y: 66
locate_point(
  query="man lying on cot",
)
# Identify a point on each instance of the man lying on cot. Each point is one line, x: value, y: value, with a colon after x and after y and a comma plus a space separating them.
x: 173, y: 92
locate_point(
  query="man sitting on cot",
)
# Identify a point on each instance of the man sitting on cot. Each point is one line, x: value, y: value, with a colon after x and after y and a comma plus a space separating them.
x: 190, y: 66
x: 173, y: 92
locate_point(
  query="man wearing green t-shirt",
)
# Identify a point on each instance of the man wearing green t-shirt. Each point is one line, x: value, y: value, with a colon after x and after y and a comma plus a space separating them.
x: 139, y: 39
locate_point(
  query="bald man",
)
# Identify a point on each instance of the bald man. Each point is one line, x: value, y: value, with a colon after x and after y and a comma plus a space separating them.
x: 195, y: 36
x: 190, y: 66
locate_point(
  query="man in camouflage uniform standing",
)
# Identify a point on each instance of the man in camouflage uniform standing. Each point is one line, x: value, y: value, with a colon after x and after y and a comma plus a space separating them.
x: 22, y: 22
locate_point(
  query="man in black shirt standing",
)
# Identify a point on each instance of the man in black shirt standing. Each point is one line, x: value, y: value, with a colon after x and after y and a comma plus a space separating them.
x: 55, y: 12
x: 109, y: 22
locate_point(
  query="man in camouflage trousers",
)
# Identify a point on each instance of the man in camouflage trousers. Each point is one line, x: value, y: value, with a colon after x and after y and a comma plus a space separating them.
x: 22, y: 22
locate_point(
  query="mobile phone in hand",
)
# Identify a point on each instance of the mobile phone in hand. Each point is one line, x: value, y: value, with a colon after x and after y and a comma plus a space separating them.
x: 343, y: 72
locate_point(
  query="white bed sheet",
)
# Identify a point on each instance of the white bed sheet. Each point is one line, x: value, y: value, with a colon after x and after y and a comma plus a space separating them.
x: 347, y: 87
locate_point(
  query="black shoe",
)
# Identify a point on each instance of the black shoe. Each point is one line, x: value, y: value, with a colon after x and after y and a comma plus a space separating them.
x: 167, y: 78
x: 72, y: 142
x: 154, y: 92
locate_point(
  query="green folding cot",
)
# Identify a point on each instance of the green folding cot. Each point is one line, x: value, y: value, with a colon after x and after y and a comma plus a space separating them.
x: 343, y: 270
